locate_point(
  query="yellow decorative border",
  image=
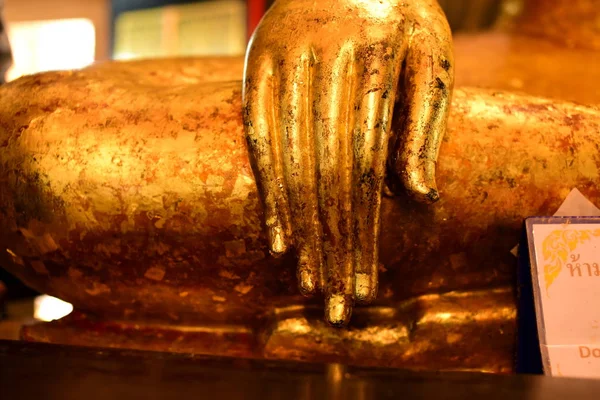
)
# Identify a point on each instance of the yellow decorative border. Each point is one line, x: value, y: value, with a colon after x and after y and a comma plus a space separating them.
x: 556, y: 248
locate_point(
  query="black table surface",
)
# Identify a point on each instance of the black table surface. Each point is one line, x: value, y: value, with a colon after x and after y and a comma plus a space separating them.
x: 42, y: 371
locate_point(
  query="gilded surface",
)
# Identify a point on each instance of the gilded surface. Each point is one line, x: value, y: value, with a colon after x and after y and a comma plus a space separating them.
x: 320, y: 86
x: 134, y: 199
x: 126, y: 189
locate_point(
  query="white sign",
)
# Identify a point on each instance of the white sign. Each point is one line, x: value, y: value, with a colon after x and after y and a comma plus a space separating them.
x: 565, y: 262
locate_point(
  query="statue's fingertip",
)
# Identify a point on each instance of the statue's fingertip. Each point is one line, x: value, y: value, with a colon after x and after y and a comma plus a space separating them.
x: 432, y: 195
x: 277, y: 244
x: 422, y: 190
x: 338, y: 310
x: 418, y: 179
x: 365, y: 288
x: 427, y: 196
x: 424, y: 194
x: 307, y: 283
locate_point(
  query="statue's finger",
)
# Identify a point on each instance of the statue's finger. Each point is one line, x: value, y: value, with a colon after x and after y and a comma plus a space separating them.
x: 264, y: 144
x: 428, y: 83
x: 374, y: 105
x: 333, y: 113
x: 298, y: 149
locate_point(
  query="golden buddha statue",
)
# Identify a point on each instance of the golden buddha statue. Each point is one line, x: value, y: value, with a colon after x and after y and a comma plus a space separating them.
x: 127, y: 190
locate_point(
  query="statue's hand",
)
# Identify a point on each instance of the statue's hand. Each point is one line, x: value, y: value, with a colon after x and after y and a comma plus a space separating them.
x: 321, y: 81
